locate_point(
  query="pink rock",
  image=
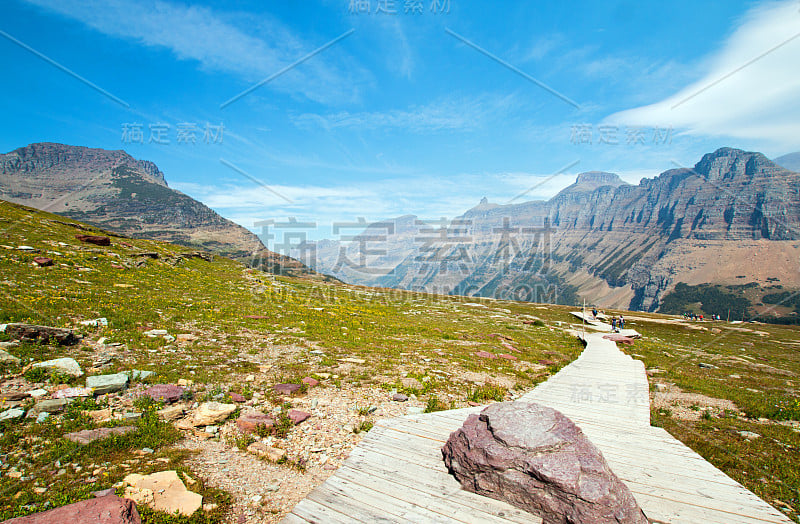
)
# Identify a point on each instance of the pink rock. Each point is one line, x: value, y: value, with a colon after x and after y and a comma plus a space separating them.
x: 507, y: 357
x: 90, y: 435
x: 97, y: 240
x: 546, y: 362
x: 72, y: 393
x: 169, y: 393
x: 298, y: 416
x: 102, y: 510
x: 256, y: 317
x: 117, y: 266
x: 310, y: 381
x: 509, y: 347
x: 537, y: 459
x: 286, y: 389
x: 619, y: 338
x: 237, y: 397
x: 43, y: 261
x: 249, y: 421
x: 485, y: 354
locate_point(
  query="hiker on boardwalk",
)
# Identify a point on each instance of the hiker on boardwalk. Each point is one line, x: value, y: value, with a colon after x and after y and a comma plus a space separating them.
x: 621, y: 323
x: 613, y: 323
x: 594, y: 313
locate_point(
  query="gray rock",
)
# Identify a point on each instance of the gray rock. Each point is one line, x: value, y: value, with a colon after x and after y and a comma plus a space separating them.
x: 11, y: 414
x: 749, y: 435
x: 399, y: 397
x: 42, y: 417
x: 155, y: 333
x: 139, y: 374
x: 6, y: 358
x: 68, y: 366
x: 703, y: 365
x: 102, y: 384
x: 55, y: 405
x: 535, y: 458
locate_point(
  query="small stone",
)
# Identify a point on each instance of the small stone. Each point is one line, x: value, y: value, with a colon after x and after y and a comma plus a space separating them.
x: 153, y: 333
x: 55, y: 405
x: 90, y: 435
x: 399, y: 397
x: 298, y: 416
x: 311, y: 382
x: 68, y: 366
x: 186, y: 337
x: 168, y: 393
x: 98, y: 240
x: 139, y: 374
x: 43, y: 261
x: 704, y: 365
x: 41, y: 417
x: 163, y: 491
x: 7, y: 358
x: 208, y: 414
x: 41, y: 334
x: 102, y: 510
x: 147, y: 451
x: 72, y: 393
x: 352, y: 360
x: 749, y: 435
x: 36, y: 393
x: 236, y: 397
x: 485, y: 354
x: 248, y: 422
x: 103, y: 492
x: 268, y: 452
x: 104, y: 384
x: 12, y: 414
x: 286, y: 389
x: 507, y: 356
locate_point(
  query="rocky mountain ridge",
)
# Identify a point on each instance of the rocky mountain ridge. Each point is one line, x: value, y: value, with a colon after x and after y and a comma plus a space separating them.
x: 117, y: 192
x: 732, y: 218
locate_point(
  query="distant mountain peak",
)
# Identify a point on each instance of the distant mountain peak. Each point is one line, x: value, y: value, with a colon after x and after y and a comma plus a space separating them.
x: 729, y: 162
x: 789, y: 161
x: 47, y: 155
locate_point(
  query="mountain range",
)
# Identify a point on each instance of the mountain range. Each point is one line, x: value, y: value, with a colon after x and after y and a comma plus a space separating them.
x: 731, y: 221
x: 119, y: 193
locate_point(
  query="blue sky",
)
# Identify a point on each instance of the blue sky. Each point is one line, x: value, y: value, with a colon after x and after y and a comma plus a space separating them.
x: 391, y: 110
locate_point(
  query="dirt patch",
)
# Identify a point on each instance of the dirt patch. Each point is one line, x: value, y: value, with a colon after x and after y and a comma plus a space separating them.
x: 687, y: 406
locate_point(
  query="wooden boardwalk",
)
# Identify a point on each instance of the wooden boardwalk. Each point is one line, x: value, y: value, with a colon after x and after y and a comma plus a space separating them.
x: 396, y: 474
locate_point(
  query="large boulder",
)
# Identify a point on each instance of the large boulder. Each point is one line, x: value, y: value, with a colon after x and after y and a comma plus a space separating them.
x: 41, y: 334
x: 102, y: 384
x: 67, y: 366
x: 537, y: 459
x: 102, y: 510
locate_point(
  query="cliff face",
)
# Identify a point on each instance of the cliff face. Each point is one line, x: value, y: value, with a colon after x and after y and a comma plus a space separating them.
x: 733, y: 218
x: 117, y: 192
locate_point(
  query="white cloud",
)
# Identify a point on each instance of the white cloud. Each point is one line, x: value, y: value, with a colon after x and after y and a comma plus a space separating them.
x: 463, y: 113
x: 751, y: 87
x: 200, y: 34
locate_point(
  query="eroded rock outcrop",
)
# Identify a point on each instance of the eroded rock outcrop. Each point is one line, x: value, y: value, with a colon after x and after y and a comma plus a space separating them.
x: 537, y: 459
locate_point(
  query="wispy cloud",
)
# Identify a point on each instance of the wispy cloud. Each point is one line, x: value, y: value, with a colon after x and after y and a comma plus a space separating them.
x: 751, y: 87
x: 218, y: 43
x: 454, y: 113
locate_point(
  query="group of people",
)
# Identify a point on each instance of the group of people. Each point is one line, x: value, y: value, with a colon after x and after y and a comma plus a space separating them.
x: 695, y: 316
x: 617, y: 323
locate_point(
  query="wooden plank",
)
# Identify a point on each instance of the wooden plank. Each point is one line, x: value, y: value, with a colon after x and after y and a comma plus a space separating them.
x: 450, y: 504
x: 312, y: 511
x: 407, y: 475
